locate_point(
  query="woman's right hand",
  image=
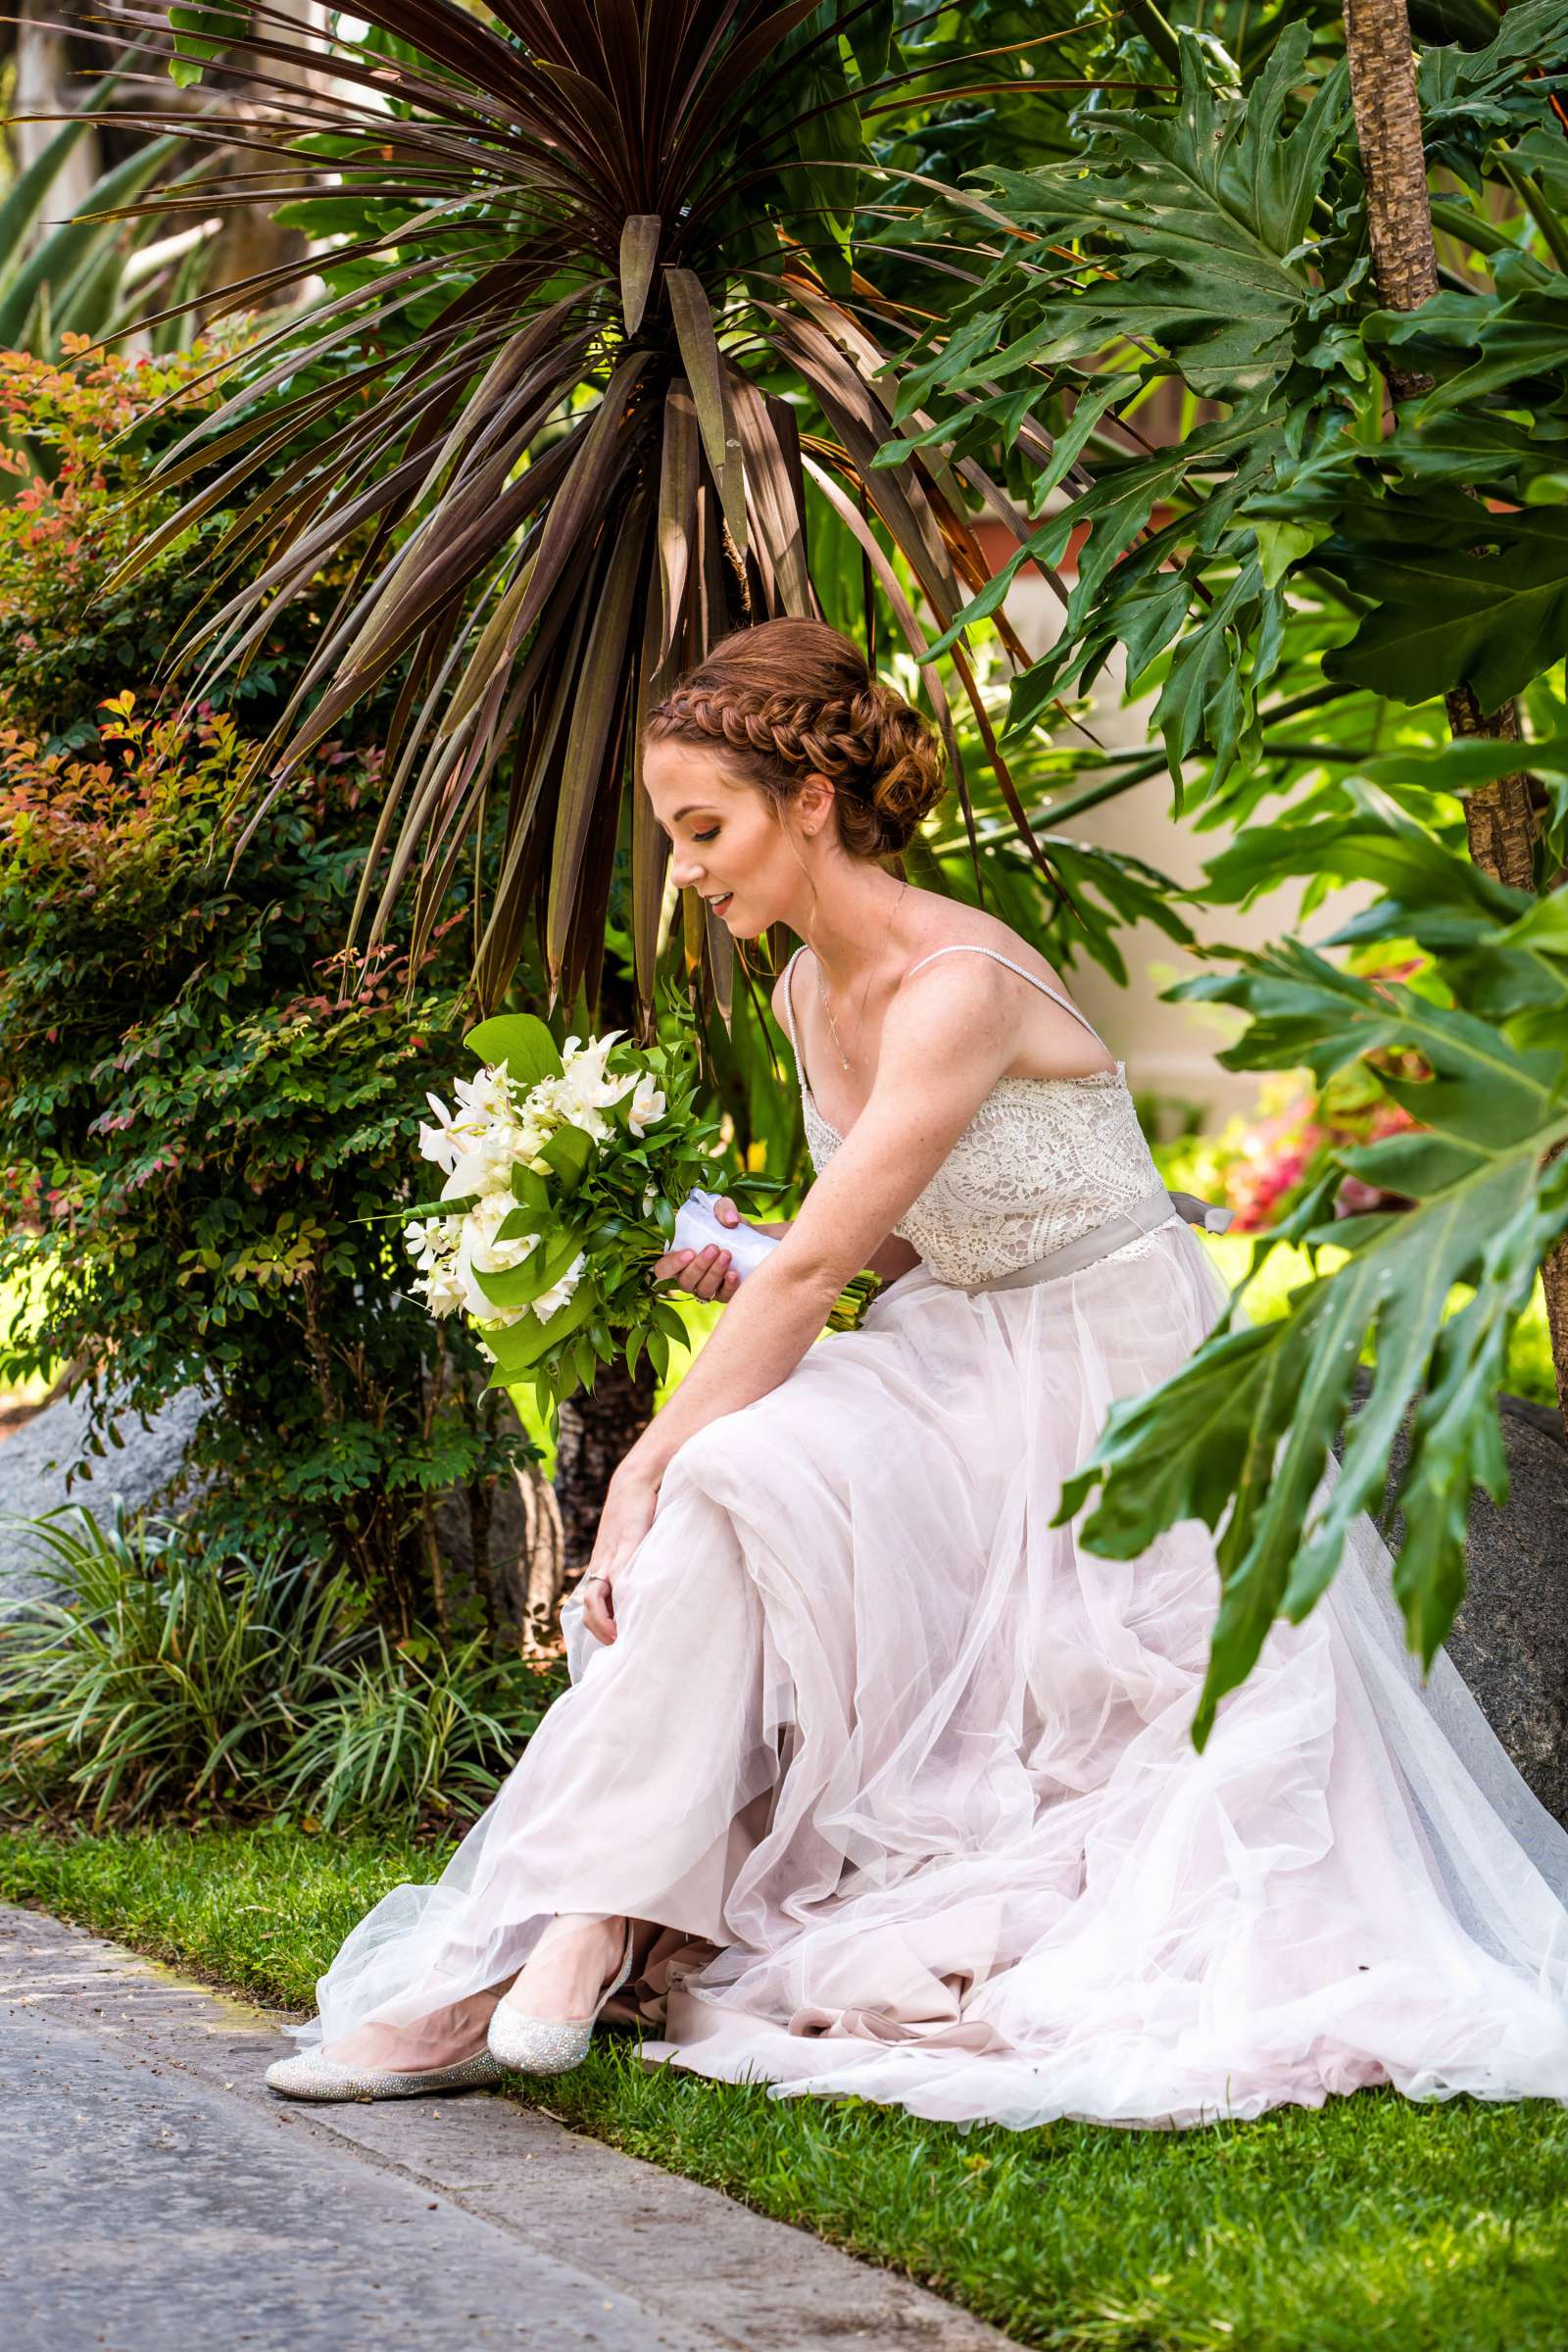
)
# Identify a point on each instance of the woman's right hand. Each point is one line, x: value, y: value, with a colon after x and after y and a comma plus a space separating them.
x: 706, y: 1273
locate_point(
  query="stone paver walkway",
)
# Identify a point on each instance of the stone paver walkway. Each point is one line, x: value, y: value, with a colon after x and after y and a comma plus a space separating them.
x: 154, y: 2194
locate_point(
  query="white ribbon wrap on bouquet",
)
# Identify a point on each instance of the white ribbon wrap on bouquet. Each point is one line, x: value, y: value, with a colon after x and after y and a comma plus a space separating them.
x: 696, y: 1225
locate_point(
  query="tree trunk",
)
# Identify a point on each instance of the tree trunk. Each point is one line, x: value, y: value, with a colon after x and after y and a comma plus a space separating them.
x: 1500, y: 817
x: 594, y: 1433
x: 1393, y: 165
x: 498, y: 1538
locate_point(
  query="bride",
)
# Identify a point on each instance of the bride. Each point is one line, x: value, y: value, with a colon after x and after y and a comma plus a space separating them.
x: 869, y: 1777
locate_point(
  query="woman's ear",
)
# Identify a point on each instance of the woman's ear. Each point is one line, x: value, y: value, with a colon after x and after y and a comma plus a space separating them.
x: 813, y: 802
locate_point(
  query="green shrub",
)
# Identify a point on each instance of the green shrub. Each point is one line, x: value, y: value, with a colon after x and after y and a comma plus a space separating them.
x: 77, y: 438
x: 206, y: 1109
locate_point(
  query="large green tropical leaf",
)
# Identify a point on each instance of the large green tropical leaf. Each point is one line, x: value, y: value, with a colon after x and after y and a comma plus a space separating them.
x: 1207, y: 205
x: 1512, y: 336
x: 1480, y: 599
x: 1240, y: 1438
x: 83, y: 253
x: 1193, y: 221
x: 1219, y: 236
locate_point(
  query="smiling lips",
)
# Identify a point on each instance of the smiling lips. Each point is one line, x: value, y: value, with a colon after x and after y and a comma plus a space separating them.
x: 719, y: 903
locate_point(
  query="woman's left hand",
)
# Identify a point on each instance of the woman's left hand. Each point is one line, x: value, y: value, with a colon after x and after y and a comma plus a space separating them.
x: 625, y: 1519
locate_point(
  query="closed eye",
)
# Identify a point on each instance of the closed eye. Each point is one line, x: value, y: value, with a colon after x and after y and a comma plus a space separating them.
x: 710, y: 835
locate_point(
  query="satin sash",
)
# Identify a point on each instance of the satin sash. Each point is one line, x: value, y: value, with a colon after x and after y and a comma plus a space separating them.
x: 1154, y: 1208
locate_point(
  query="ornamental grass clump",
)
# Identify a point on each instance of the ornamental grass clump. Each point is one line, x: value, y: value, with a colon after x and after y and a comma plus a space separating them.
x: 151, y: 1681
x: 412, y: 1731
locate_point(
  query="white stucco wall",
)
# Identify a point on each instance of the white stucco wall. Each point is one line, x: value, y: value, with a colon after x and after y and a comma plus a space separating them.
x: 1169, y: 1049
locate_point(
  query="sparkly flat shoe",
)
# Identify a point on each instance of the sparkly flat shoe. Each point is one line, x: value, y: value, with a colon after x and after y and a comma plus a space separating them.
x: 552, y: 2046
x: 309, y: 2076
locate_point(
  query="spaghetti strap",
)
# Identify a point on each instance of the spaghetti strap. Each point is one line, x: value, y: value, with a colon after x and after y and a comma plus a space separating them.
x: 974, y: 947
x: 789, y: 1014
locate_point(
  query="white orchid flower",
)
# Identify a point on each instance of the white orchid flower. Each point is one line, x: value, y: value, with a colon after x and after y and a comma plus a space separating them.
x: 441, y: 1291
x: 647, y: 1105
x: 487, y: 1096
x: 480, y: 1252
x: 426, y: 1240
x: 436, y: 1141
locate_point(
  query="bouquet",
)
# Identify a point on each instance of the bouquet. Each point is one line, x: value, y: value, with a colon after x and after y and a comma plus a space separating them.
x: 563, y: 1169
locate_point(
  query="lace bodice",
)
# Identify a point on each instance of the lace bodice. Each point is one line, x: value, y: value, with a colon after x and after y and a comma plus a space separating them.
x: 1042, y: 1162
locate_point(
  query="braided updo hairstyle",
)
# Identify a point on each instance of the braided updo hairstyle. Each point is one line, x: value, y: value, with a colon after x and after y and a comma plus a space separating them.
x: 793, y: 696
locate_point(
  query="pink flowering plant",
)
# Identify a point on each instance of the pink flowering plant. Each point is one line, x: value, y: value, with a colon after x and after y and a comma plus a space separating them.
x: 1261, y: 1165
x: 564, y: 1166
x: 1278, y: 1156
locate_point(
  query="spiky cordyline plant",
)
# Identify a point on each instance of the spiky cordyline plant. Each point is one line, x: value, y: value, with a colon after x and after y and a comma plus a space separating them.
x: 593, y: 326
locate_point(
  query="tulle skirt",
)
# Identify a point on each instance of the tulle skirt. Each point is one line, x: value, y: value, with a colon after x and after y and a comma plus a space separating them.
x: 903, y: 1776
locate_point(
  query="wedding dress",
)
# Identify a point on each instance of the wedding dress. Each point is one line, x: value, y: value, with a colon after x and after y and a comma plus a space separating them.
x: 905, y: 1773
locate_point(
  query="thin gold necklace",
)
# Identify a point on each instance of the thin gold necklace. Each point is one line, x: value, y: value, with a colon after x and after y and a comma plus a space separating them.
x: 864, y: 993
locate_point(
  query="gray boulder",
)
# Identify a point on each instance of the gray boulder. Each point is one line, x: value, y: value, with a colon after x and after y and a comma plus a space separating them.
x: 44, y: 1461
x: 1510, y: 1639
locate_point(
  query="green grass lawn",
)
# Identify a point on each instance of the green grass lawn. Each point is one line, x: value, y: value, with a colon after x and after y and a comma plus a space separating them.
x: 1375, y: 2223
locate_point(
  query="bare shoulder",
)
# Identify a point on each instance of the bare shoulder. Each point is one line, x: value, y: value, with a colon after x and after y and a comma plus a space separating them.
x: 947, y: 923
x: 982, y: 991
x: 956, y: 998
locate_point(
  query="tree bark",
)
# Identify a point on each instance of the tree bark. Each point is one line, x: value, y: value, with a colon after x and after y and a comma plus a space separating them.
x: 498, y: 1538
x: 1500, y: 817
x: 594, y: 1433
x: 1393, y: 165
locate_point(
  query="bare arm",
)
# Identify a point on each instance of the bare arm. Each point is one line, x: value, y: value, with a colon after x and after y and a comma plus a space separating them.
x: 946, y: 1037
x: 707, y: 1273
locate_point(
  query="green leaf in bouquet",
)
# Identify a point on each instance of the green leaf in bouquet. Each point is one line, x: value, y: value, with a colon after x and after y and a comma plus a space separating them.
x: 455, y: 1208
x: 521, y: 1286
x: 521, y: 1042
x: 605, y: 1232
x: 569, y: 1151
x: 517, y: 1224
x: 520, y: 1347
x: 750, y: 1193
x: 529, y: 1189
